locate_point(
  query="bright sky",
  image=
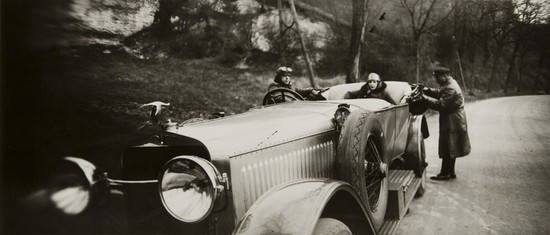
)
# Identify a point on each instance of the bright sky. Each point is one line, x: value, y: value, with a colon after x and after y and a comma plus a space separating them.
x: 545, y: 11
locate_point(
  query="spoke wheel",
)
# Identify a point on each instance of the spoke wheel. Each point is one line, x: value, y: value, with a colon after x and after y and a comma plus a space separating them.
x: 375, y: 173
x: 360, y: 163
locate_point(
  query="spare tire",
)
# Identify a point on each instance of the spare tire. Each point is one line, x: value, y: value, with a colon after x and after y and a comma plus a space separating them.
x: 360, y: 163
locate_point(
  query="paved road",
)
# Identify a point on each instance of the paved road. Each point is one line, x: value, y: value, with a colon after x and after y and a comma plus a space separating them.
x: 503, y: 186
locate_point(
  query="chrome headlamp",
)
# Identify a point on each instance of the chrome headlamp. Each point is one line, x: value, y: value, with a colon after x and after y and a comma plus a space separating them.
x: 71, y: 187
x: 189, y: 187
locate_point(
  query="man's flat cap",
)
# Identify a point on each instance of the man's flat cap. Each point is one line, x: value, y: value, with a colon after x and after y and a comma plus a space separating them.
x: 441, y: 69
x: 438, y: 68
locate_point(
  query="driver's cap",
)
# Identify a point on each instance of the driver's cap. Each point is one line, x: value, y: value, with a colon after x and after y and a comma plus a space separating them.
x: 284, y: 70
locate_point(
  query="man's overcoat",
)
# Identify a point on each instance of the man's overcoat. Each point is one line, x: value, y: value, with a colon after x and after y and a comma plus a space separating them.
x: 453, y: 128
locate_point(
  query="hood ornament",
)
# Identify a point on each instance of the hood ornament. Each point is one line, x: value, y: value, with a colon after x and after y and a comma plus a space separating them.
x: 156, y: 110
x: 154, y: 118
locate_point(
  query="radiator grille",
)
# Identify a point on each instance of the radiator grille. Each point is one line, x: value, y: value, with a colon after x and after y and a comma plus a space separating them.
x: 255, y: 173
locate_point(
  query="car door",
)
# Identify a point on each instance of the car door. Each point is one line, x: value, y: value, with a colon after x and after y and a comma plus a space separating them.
x: 402, y: 122
x: 386, y: 116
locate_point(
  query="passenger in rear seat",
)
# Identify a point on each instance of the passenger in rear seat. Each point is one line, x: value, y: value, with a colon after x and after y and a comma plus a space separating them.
x: 374, y: 88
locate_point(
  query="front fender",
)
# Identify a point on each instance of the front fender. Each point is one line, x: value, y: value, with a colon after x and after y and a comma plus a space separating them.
x: 418, y: 128
x: 294, y: 208
x: 415, y: 152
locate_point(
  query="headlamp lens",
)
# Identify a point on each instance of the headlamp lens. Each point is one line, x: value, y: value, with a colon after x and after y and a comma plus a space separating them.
x: 71, y: 185
x: 71, y: 200
x: 187, y: 190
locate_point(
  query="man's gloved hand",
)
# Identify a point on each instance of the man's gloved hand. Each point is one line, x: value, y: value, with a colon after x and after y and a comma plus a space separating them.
x: 416, y: 93
x: 316, y: 94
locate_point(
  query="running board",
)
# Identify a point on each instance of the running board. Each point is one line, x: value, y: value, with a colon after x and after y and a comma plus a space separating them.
x: 402, y: 187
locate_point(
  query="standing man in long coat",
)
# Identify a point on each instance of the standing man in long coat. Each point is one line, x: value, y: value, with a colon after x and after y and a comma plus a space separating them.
x: 453, y: 128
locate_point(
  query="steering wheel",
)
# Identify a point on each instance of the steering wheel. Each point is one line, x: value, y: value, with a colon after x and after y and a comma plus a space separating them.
x: 280, y: 95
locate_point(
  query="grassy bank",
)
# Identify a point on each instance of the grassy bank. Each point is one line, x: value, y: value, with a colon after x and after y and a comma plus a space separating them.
x: 90, y: 96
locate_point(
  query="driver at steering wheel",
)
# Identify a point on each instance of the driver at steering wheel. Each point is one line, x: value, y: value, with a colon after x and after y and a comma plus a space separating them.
x: 283, y: 80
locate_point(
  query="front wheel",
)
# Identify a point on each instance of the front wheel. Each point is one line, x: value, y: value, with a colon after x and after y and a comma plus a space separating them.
x: 330, y: 226
x: 360, y: 163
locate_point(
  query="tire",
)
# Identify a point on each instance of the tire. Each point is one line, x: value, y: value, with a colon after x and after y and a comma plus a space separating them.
x: 416, y: 161
x: 330, y: 226
x: 360, y: 163
x: 422, y: 188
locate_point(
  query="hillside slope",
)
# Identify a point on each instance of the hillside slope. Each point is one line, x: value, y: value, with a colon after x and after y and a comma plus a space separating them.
x: 90, y: 96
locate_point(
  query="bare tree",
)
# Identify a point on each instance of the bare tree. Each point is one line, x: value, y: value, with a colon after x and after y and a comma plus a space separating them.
x: 527, y: 13
x: 303, y: 44
x: 501, y: 20
x: 323, y: 14
x: 358, y: 26
x: 423, y: 20
x: 282, y: 26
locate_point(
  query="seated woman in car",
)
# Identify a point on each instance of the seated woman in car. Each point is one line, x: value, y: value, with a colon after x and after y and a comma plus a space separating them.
x: 374, y: 88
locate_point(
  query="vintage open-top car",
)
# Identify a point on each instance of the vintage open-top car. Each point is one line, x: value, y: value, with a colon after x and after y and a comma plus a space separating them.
x: 303, y: 167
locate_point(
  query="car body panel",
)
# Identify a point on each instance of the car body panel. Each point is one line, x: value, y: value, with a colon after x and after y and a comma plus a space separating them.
x: 256, y: 172
x: 402, y: 123
x: 260, y: 150
x: 295, y: 207
x: 263, y: 127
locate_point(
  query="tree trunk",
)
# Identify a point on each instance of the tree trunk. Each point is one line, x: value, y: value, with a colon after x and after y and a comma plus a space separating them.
x: 519, y: 70
x: 494, y: 68
x: 162, y: 16
x: 511, y: 67
x: 492, y: 75
x: 280, y: 11
x: 357, y: 33
x: 539, y: 71
x: 518, y: 76
x: 461, y: 73
x: 486, y: 51
x: 303, y: 45
x: 281, y: 29
x: 417, y: 58
x: 473, y: 79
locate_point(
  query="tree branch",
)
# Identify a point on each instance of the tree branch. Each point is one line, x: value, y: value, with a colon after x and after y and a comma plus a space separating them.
x: 420, y: 5
x: 428, y: 13
x: 411, y: 14
x: 321, y: 13
x: 442, y: 19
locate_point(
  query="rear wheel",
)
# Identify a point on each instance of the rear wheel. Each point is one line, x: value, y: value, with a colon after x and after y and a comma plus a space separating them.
x: 361, y: 164
x: 330, y: 226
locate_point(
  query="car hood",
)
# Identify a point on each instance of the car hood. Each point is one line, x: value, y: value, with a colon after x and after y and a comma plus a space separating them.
x: 268, y: 125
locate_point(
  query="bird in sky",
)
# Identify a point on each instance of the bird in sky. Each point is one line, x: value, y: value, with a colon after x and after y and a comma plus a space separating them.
x: 382, y: 17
